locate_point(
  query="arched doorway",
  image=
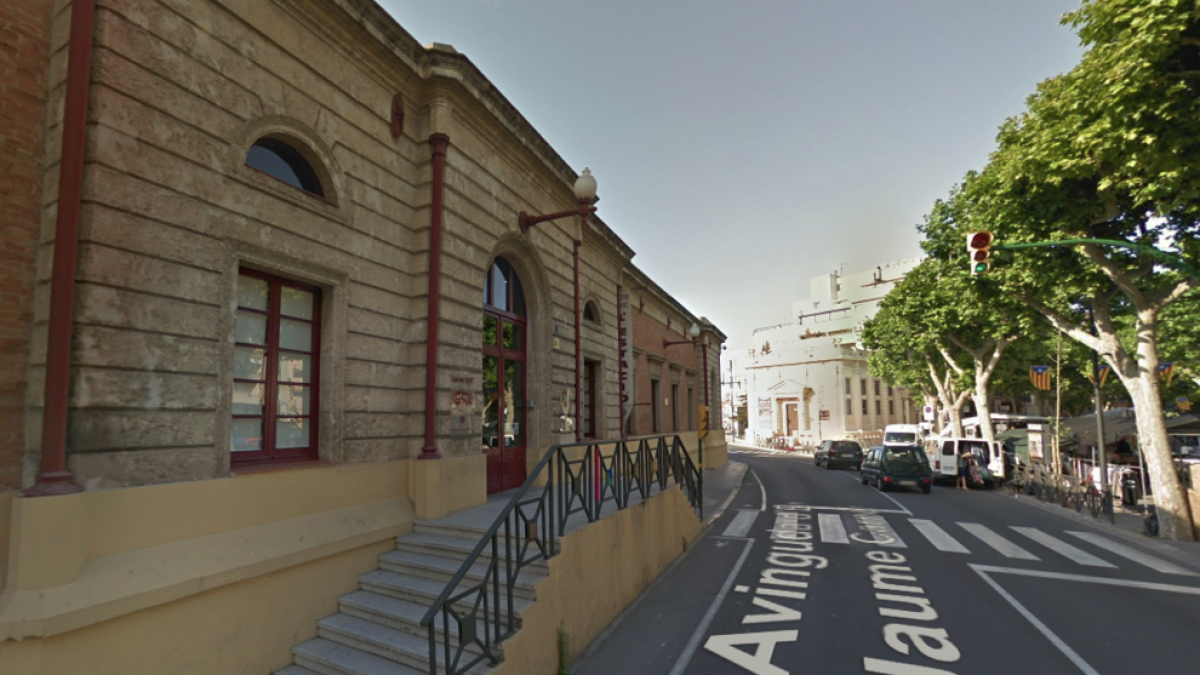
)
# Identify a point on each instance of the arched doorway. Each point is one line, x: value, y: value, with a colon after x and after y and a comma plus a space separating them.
x: 504, y: 340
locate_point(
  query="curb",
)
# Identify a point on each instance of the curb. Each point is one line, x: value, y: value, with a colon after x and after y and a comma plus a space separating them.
x: 720, y: 510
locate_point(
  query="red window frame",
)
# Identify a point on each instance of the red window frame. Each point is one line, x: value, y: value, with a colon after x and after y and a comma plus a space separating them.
x: 270, y: 416
x: 589, y: 398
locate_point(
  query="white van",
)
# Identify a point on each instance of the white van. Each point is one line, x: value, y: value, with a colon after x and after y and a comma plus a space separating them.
x: 902, y: 434
x: 943, y: 457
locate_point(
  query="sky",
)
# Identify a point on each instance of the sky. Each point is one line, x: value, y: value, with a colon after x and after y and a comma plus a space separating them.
x: 742, y: 147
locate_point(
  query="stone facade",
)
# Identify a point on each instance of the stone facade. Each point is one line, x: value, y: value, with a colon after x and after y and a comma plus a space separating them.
x: 171, y: 214
x: 24, y: 59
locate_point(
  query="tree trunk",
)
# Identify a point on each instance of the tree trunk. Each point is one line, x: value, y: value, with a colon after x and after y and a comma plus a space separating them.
x: 1170, y: 496
x: 983, y: 406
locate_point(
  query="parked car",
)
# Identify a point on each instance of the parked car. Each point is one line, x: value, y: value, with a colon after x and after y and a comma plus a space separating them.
x: 833, y: 453
x: 893, y: 466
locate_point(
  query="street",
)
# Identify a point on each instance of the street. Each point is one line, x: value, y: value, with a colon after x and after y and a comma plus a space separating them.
x: 831, y: 576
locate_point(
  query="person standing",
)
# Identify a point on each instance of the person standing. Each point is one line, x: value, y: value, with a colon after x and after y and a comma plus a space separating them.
x: 964, y: 469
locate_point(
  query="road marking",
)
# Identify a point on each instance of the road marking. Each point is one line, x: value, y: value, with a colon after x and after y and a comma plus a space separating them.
x: 832, y: 529
x: 892, y: 500
x: 741, y: 524
x: 1075, y: 658
x: 764, y: 491
x: 1004, y: 546
x: 856, y: 509
x: 1083, y: 578
x: 1132, y: 554
x: 1062, y: 548
x: 694, y: 642
x: 940, y: 538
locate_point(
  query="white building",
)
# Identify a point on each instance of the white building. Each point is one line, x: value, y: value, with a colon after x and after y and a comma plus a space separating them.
x: 808, y: 379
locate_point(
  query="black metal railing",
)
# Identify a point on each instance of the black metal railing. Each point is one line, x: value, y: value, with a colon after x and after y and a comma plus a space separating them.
x: 1066, y: 491
x: 579, y: 478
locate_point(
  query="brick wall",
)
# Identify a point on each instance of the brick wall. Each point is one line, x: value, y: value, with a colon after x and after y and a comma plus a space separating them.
x: 649, y: 331
x: 24, y: 48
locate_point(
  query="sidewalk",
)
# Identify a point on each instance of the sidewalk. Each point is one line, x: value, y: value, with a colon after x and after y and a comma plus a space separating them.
x: 1127, y: 525
x: 720, y: 485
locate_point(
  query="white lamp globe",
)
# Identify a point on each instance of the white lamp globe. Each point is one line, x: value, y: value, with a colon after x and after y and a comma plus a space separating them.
x: 585, y: 186
x: 694, y: 331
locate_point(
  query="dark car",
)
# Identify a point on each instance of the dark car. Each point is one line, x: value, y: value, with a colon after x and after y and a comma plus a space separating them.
x: 834, y: 453
x: 897, y: 466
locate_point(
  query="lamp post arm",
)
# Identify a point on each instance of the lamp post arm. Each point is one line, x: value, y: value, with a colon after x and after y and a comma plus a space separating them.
x: 1169, y: 258
x: 527, y: 221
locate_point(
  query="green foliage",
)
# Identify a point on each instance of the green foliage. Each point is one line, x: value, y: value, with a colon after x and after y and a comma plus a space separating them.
x: 564, y: 650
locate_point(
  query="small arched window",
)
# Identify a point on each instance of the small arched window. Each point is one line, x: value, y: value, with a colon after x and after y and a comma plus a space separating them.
x: 283, y: 162
x: 590, y: 313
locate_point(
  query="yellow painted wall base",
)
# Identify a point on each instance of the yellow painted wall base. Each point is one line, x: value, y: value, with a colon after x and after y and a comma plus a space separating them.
x: 583, y: 598
x: 442, y: 486
x: 247, y: 627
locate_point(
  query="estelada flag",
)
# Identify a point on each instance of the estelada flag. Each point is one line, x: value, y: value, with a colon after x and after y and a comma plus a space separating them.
x: 1183, y: 403
x: 1104, y: 368
x: 1040, y: 376
x: 1166, y: 370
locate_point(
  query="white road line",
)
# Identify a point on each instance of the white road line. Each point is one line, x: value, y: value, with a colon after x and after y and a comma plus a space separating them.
x: 940, y: 538
x: 832, y: 529
x: 694, y: 642
x: 1004, y: 546
x: 1132, y: 554
x: 1103, y: 581
x: 902, y: 507
x: 854, y: 509
x: 741, y: 524
x: 1062, y: 646
x: 1062, y: 548
x: 760, y: 487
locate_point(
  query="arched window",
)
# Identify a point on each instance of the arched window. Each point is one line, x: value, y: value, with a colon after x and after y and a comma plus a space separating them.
x: 590, y: 313
x: 283, y: 162
x: 502, y: 289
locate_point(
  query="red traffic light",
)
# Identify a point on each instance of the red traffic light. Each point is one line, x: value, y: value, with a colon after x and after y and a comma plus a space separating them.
x: 978, y: 240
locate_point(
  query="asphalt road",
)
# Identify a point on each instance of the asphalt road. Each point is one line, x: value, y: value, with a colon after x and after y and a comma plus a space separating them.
x: 831, y: 576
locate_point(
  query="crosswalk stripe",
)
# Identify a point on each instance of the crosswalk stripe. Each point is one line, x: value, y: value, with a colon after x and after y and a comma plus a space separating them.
x: 832, y: 529
x: 1004, y: 546
x: 1132, y: 554
x: 940, y: 538
x: 741, y: 524
x: 1062, y: 548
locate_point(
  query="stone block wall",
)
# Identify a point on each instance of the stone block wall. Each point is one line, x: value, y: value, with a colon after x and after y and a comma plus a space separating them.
x: 24, y: 58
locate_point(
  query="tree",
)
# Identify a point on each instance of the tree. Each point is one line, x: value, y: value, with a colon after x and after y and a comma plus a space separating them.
x: 1109, y: 150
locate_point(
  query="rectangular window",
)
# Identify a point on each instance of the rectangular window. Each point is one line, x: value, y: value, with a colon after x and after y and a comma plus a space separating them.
x: 675, y: 418
x: 864, y: 407
x: 848, y: 392
x: 589, y: 398
x: 889, y: 390
x: 655, y: 402
x: 863, y: 383
x: 876, y: 387
x: 276, y: 364
x: 891, y: 407
x: 878, y: 409
x: 691, y: 404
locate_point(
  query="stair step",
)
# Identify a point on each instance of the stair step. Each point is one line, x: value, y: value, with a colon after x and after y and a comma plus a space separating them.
x: 394, y: 645
x: 438, y: 567
x: 401, y: 614
x: 421, y: 590
x: 330, y: 658
x: 456, y: 547
x: 295, y: 670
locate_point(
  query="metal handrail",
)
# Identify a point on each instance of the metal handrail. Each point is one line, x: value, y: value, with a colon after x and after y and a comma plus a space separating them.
x: 582, y: 484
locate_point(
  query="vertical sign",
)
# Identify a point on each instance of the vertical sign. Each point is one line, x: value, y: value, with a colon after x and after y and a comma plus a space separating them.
x: 625, y: 353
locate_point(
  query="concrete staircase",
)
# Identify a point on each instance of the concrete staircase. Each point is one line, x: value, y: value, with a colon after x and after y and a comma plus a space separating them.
x: 377, y: 630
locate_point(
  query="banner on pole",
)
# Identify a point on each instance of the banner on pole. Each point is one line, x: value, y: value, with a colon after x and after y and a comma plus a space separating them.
x: 1166, y: 371
x: 1040, y: 376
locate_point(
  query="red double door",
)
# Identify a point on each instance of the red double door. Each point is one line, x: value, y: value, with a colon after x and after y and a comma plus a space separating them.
x: 504, y: 399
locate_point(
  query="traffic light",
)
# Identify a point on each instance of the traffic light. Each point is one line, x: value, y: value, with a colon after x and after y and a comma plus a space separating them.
x: 979, y: 250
